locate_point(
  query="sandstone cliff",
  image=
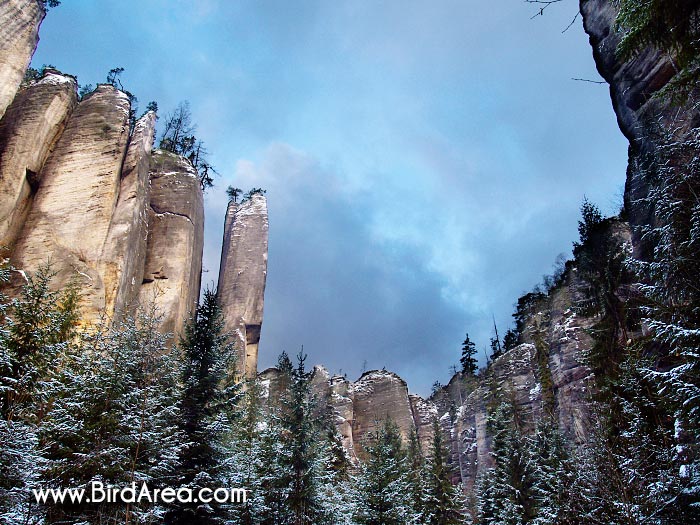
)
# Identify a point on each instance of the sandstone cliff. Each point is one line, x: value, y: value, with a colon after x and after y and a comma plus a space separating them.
x: 124, y: 253
x: 242, y: 277
x: 70, y: 218
x: 173, y: 265
x: 655, y: 126
x: 30, y: 128
x: 20, y: 21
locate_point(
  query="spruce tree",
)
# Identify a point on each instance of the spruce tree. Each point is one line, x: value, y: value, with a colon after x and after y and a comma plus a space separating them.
x: 383, y: 486
x: 468, y: 361
x: 442, y: 500
x: 209, y: 395
x: 112, y: 420
x: 507, y: 495
x: 36, y: 329
x: 299, y: 460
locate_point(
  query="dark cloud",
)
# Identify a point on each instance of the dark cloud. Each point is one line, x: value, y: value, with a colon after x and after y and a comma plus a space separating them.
x: 424, y: 161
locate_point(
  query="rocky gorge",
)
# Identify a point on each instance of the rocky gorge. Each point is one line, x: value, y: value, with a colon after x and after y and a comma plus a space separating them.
x: 81, y: 190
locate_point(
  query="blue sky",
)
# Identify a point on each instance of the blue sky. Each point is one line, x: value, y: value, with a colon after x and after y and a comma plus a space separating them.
x: 424, y: 161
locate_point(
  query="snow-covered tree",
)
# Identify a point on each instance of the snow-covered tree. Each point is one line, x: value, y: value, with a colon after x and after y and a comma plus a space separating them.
x: 442, y: 502
x: 112, y: 419
x: 383, y: 494
x: 209, y: 396
x: 35, y: 331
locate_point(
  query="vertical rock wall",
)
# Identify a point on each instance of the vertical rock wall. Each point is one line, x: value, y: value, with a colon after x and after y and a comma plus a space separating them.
x: 30, y: 128
x: 653, y: 125
x: 124, y: 254
x: 19, y: 35
x: 70, y: 218
x: 379, y: 395
x: 173, y: 266
x: 242, y: 277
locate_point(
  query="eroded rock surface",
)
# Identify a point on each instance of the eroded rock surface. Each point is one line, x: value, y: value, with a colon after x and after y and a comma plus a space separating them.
x: 30, y: 128
x: 656, y: 127
x: 173, y: 267
x: 124, y: 254
x: 20, y: 21
x: 242, y: 277
x: 70, y: 218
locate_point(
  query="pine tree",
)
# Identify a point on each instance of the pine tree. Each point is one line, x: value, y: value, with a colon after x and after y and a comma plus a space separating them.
x: 209, y: 395
x: 507, y: 490
x: 468, y: 361
x: 112, y: 420
x: 383, y: 487
x: 442, y: 501
x: 299, y: 459
x: 35, y: 330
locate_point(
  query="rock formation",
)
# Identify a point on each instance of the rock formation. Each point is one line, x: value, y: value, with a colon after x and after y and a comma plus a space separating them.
x: 28, y: 131
x: 242, y: 276
x: 20, y: 21
x: 173, y: 267
x: 71, y: 214
x: 124, y: 254
x: 655, y: 126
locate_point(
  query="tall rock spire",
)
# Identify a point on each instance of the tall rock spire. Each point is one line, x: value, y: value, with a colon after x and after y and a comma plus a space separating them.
x: 20, y: 21
x: 242, y: 277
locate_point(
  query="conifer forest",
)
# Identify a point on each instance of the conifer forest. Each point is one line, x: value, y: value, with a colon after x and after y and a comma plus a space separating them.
x: 137, y: 386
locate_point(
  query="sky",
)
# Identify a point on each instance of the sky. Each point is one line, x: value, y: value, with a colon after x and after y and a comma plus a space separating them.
x: 424, y: 161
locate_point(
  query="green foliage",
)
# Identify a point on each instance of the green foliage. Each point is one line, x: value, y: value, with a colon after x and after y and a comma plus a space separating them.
x: 506, y: 493
x: 32, y: 75
x: 85, y: 90
x: 113, y: 418
x: 178, y: 137
x: 253, y: 191
x: 673, y: 26
x: 441, y: 505
x: 206, y: 408
x: 510, y: 340
x: 233, y: 193
x: 468, y: 361
x: 383, y: 486
x: 50, y: 3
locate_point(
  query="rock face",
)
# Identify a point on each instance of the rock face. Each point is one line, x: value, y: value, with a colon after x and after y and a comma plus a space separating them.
x: 30, y: 128
x: 124, y: 254
x: 81, y: 191
x: 20, y: 21
x: 79, y: 184
x: 377, y: 395
x: 173, y: 265
x: 242, y: 277
x: 653, y: 125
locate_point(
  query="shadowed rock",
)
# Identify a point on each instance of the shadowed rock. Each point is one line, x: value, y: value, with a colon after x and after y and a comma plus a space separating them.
x: 30, y: 128
x: 655, y: 126
x: 173, y: 267
x: 124, y: 254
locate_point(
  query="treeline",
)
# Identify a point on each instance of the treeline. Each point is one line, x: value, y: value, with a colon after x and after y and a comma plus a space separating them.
x: 118, y: 406
x: 640, y: 464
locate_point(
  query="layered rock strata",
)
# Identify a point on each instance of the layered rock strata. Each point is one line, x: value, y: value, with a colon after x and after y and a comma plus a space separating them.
x: 20, y: 21
x: 242, y: 277
x: 30, y: 128
x: 173, y: 263
x: 72, y: 211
